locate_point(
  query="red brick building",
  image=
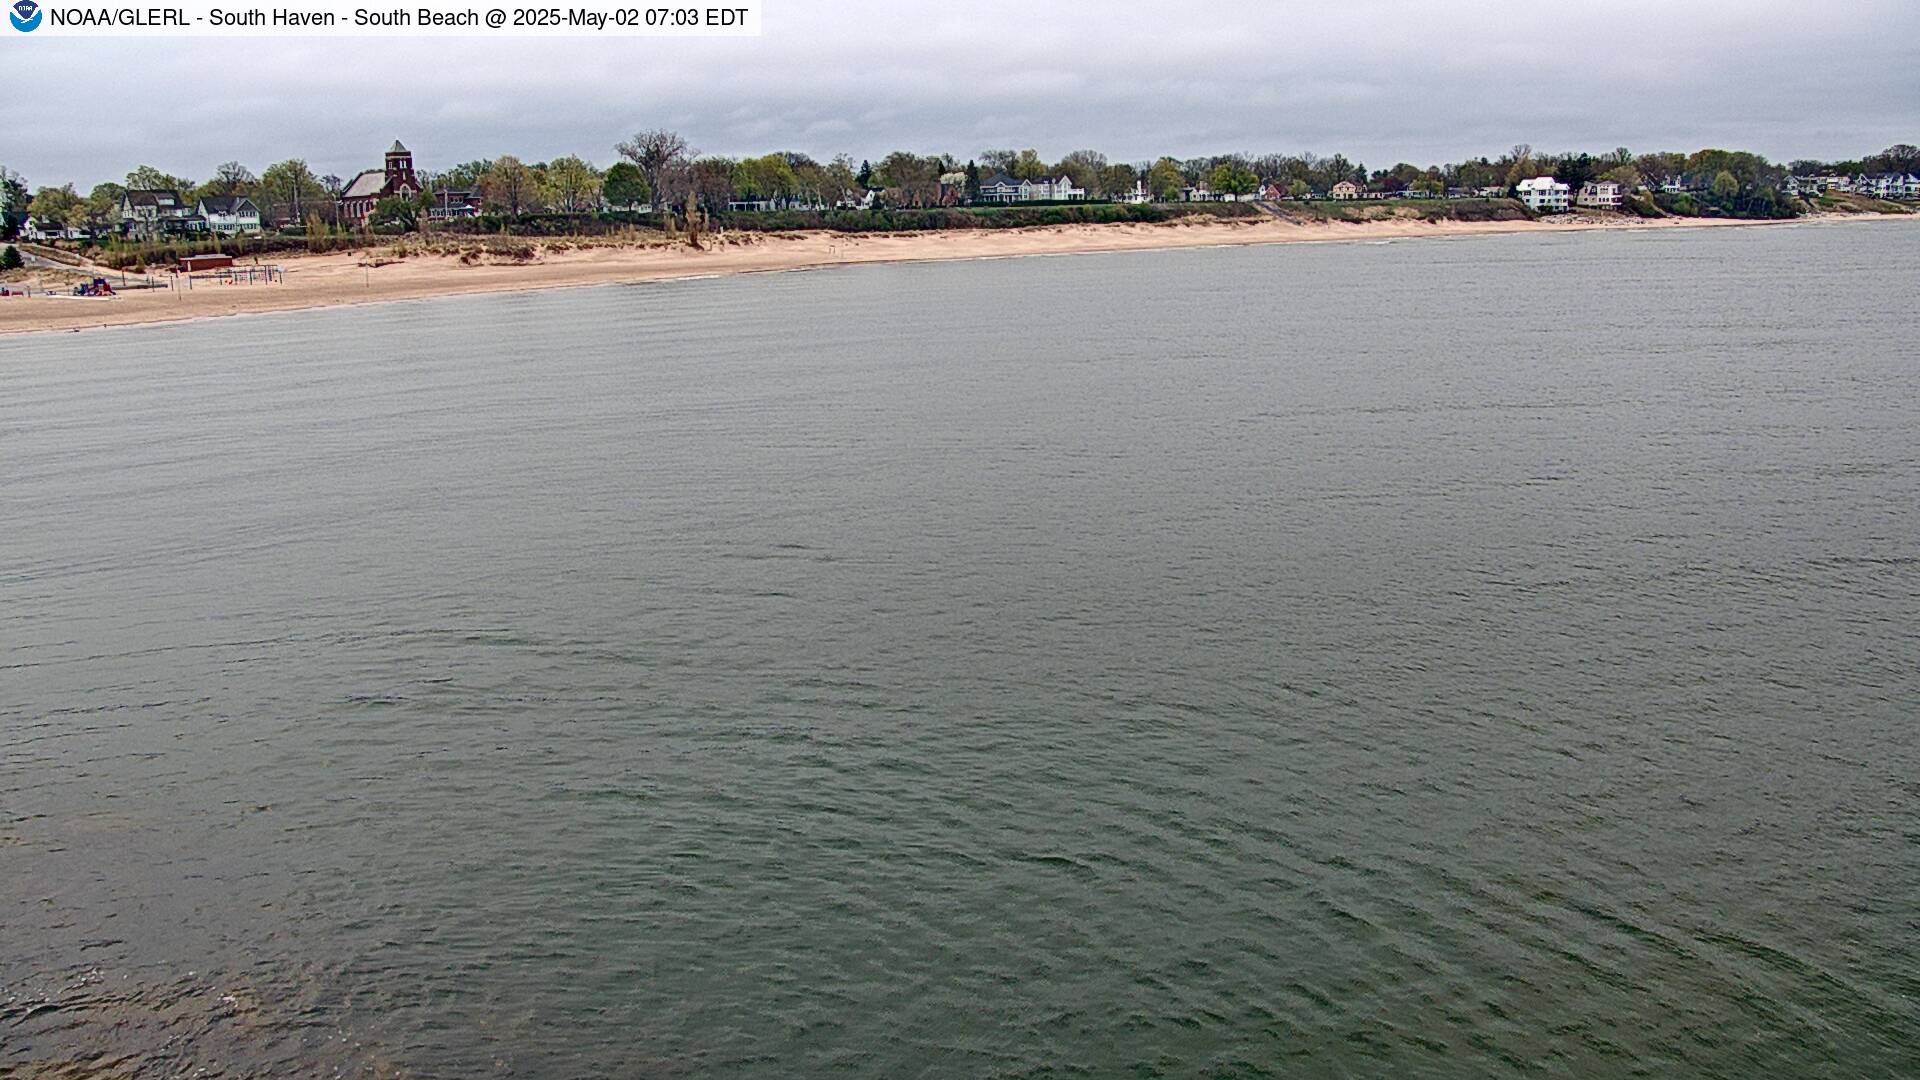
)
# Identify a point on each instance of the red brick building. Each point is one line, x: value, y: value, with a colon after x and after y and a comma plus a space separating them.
x: 367, y: 189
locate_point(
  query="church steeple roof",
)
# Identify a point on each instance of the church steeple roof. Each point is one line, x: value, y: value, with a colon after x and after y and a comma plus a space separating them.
x: 396, y: 148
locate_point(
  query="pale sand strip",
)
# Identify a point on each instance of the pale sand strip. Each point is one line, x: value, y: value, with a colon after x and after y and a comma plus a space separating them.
x: 314, y: 281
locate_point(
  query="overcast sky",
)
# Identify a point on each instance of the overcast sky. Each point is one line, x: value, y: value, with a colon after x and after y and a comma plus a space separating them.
x: 1415, y: 80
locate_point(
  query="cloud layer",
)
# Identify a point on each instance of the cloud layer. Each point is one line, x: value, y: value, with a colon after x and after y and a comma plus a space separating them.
x: 1419, y: 81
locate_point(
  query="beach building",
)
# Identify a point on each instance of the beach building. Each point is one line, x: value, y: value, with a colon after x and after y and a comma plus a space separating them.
x: 364, y: 192
x: 452, y: 203
x: 1346, y: 189
x: 1544, y: 194
x: 157, y: 212
x: 228, y: 215
x: 1600, y: 195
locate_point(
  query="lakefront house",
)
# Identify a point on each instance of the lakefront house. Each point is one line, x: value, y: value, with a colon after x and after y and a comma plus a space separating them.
x: 394, y: 179
x: 1888, y: 186
x: 1600, y: 195
x: 1001, y: 188
x: 1346, y: 189
x: 156, y: 212
x: 228, y: 215
x: 1544, y: 194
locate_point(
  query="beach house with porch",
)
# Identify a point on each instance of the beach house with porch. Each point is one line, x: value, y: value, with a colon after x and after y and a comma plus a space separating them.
x: 228, y: 215
x: 149, y: 213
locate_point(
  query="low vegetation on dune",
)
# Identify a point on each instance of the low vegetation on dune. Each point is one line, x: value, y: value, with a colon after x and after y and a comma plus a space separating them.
x: 1846, y: 202
x: 1315, y: 212
x: 983, y: 217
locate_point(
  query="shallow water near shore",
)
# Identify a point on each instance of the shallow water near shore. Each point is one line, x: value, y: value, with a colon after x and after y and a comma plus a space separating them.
x: 1485, y: 658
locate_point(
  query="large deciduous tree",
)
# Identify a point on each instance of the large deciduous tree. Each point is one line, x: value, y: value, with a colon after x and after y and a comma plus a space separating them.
x: 148, y: 178
x: 1164, y: 180
x: 573, y: 185
x: 656, y: 153
x: 625, y: 188
x: 509, y: 186
x: 288, y: 191
x: 56, y: 207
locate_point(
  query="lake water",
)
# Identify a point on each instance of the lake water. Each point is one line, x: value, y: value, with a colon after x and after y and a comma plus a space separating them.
x: 1496, y: 657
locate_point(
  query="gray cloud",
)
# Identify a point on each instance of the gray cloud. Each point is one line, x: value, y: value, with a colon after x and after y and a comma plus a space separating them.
x: 1381, y: 82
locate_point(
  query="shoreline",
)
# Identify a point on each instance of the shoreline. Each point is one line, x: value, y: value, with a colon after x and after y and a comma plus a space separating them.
x: 344, y: 279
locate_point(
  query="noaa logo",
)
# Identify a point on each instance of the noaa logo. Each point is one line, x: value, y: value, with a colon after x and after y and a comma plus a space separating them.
x: 25, y: 15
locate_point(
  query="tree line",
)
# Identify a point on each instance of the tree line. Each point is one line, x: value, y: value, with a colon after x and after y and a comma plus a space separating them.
x: 658, y: 169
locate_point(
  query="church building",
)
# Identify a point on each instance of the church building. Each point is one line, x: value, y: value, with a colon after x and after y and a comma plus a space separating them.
x: 367, y: 189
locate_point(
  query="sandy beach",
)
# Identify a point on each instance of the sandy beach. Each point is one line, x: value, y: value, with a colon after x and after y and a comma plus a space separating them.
x: 373, y: 276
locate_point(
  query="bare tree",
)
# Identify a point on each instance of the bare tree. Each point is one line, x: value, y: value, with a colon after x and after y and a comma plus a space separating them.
x: 655, y: 153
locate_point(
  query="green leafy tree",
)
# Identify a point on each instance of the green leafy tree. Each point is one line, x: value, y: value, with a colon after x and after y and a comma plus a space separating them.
x: 1086, y: 168
x: 464, y: 176
x: 102, y: 209
x: 625, y: 187
x: 509, y: 187
x: 770, y: 177
x: 288, y: 191
x: 1164, y: 179
x: 839, y: 184
x: 1232, y: 178
x: 10, y: 258
x: 1725, y: 185
x: 1117, y: 180
x: 573, y: 185
x: 56, y: 207
x: 1575, y: 170
x: 396, y: 214
x: 231, y: 178
x: 1028, y: 166
x: 148, y: 178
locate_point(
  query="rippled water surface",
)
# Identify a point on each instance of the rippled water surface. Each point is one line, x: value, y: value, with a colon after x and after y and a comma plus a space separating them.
x: 1494, y: 657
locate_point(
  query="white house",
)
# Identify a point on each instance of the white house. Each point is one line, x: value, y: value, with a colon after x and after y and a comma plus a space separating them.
x: 1544, y: 194
x: 1001, y: 188
x: 1346, y: 189
x: 1600, y: 195
x: 1888, y: 186
x: 1138, y: 194
x: 1060, y: 189
x: 36, y: 230
x: 151, y: 213
x: 229, y: 215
